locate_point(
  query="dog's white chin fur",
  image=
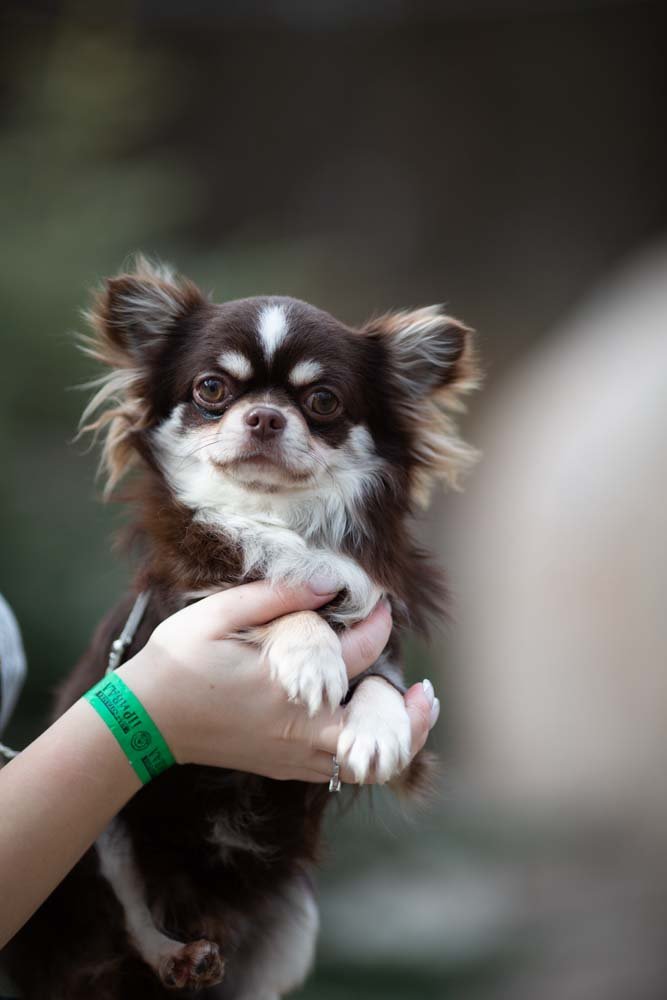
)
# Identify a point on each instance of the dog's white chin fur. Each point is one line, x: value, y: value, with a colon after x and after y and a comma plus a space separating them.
x: 260, y: 475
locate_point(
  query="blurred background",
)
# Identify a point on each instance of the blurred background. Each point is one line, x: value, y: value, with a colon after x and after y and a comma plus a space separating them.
x: 509, y: 159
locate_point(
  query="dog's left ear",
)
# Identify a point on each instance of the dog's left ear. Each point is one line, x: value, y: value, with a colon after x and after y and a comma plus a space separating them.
x: 429, y: 362
x: 426, y: 350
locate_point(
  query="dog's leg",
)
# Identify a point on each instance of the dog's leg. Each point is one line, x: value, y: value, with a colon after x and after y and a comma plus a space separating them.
x: 304, y: 654
x: 178, y: 965
x: 376, y: 736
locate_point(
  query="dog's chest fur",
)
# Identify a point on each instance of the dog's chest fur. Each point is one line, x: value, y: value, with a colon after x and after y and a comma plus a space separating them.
x: 364, y: 553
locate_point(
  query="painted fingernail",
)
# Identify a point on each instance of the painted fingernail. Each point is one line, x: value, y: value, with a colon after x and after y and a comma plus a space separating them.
x: 322, y: 584
x: 428, y: 691
x: 435, y: 712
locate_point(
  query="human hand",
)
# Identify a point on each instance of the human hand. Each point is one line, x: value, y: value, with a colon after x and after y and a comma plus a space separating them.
x: 213, y: 698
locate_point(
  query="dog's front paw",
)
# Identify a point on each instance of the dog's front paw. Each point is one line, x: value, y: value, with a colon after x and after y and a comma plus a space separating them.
x: 193, y: 966
x: 308, y: 662
x: 375, y: 741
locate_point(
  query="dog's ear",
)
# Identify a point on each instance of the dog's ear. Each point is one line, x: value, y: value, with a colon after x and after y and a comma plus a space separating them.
x: 132, y: 316
x: 425, y: 351
x: 136, y: 311
x: 429, y: 362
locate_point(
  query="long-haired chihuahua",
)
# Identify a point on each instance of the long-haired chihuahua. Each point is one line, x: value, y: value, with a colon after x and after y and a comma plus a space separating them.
x: 270, y: 440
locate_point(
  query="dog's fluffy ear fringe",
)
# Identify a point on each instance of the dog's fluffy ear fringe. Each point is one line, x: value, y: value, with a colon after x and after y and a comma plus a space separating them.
x: 128, y: 315
x: 433, y: 363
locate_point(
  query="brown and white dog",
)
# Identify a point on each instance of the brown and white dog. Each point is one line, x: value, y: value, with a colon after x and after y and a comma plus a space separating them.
x: 272, y: 441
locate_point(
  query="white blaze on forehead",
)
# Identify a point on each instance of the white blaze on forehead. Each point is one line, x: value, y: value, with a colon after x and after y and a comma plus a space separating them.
x: 236, y: 364
x: 272, y: 328
x: 305, y: 372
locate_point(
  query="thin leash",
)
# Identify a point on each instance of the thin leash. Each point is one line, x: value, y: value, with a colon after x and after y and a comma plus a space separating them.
x: 126, y: 637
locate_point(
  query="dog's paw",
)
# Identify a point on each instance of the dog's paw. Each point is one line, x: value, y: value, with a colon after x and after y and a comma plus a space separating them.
x: 376, y: 736
x: 308, y: 662
x: 193, y: 966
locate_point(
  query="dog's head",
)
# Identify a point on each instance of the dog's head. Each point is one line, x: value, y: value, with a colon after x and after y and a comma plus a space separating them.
x: 271, y: 395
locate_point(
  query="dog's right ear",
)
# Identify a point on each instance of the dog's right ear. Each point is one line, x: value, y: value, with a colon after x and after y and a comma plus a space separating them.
x: 135, y: 312
x: 132, y: 318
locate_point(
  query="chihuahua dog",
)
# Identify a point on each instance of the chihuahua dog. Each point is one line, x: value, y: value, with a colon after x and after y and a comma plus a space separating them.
x: 271, y: 441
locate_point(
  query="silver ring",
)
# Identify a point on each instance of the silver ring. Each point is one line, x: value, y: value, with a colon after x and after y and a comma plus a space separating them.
x: 335, y: 782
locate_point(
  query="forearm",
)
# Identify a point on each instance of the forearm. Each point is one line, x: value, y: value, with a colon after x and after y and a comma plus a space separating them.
x: 55, y: 798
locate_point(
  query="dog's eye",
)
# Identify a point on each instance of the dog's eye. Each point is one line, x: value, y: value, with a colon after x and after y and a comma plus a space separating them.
x: 323, y: 403
x: 210, y: 391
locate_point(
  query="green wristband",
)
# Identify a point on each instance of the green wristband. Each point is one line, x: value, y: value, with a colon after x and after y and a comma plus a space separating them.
x: 140, y: 739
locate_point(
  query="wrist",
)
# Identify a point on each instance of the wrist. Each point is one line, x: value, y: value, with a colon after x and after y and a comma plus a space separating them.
x: 81, y: 737
x: 147, y: 686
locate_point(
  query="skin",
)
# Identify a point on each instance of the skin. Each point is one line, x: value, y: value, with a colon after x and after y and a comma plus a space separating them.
x: 235, y: 717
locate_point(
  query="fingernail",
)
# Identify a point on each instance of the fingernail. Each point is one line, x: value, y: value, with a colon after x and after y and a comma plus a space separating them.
x: 428, y: 691
x: 322, y: 584
x: 435, y: 712
x: 386, y: 604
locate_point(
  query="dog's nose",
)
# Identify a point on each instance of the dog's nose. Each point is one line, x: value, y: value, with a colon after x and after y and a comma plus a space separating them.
x: 265, y: 422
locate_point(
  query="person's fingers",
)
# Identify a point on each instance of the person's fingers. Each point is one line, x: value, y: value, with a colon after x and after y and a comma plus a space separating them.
x: 305, y: 774
x: 323, y: 760
x: 254, y: 604
x: 363, y: 643
x: 433, y: 702
x: 325, y: 730
x: 419, y: 701
x: 322, y: 763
